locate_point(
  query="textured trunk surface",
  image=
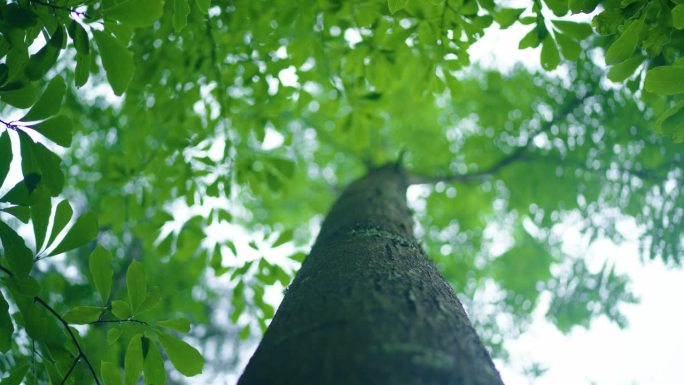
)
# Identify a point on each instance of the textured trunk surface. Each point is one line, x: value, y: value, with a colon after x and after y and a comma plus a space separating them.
x: 368, y: 306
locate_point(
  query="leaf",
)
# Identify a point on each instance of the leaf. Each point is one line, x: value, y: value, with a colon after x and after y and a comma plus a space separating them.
x: 111, y: 375
x: 49, y: 103
x: 116, y: 60
x: 19, y: 17
x: 6, y: 326
x: 5, y: 155
x: 17, y: 374
x: 121, y: 309
x: 671, y: 122
x: 678, y: 16
x: 530, y: 40
x: 133, y: 363
x: 82, y: 69
x: 550, y: 58
x: 623, y: 47
x: 37, y: 159
x: 40, y: 216
x: 583, y: 6
x: 80, y: 38
x: 622, y: 71
x: 178, y: 324
x: 20, y: 193
x: 570, y: 48
x: 185, y: 358
x: 203, y: 5
x: 396, y: 5
x: 101, y: 270
x: 181, y: 10
x: 137, y: 13
x: 18, y: 94
x: 20, y: 212
x: 665, y: 80
x: 579, y: 31
x: 19, y: 257
x: 62, y: 216
x: 41, y: 62
x: 155, y: 374
x: 284, y: 237
x: 113, y: 335
x: 152, y: 299
x: 82, y: 315
x: 136, y: 283
x: 507, y: 16
x: 83, y: 231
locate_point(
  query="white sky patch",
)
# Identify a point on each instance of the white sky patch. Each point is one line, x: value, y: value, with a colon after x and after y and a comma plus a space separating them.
x: 288, y: 77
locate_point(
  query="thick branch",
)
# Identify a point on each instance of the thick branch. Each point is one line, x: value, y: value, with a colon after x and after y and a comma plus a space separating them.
x: 517, y: 154
x: 81, y: 353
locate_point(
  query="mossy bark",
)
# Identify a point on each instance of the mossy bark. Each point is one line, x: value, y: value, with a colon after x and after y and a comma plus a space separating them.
x: 368, y: 306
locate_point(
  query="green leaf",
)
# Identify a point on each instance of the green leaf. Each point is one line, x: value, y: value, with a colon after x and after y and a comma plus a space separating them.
x: 152, y: 299
x: 507, y: 16
x: 665, y: 80
x: 623, y: 47
x: 579, y: 31
x: 137, y: 13
x: 37, y: 159
x: 570, y: 48
x: 19, y: 17
x: 80, y: 38
x: 121, y: 309
x: 62, y: 216
x: 41, y: 62
x: 550, y: 58
x: 622, y: 71
x: 101, y: 270
x: 6, y: 326
x: 136, y: 283
x: 181, y: 10
x: 203, y: 5
x: 113, y: 335
x: 178, y: 324
x: 155, y: 374
x: 40, y: 216
x: 82, y: 315
x: 17, y: 374
x: 111, y: 375
x: 82, y: 69
x: 57, y: 129
x: 19, y: 257
x: 83, y: 231
x: 116, y: 60
x: 20, y: 212
x: 583, y: 6
x: 678, y: 16
x: 19, y: 95
x: 284, y: 237
x: 49, y: 103
x: 20, y: 193
x: 671, y: 122
x: 133, y: 363
x: 530, y: 40
x: 5, y: 155
x: 396, y: 5
x: 185, y: 358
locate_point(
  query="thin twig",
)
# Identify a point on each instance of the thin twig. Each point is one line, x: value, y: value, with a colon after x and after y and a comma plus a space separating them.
x: 61, y: 8
x: 517, y: 154
x: 71, y: 369
x: 119, y: 321
x: 71, y: 334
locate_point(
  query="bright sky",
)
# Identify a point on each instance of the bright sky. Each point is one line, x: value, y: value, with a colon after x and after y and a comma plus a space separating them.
x: 650, y: 350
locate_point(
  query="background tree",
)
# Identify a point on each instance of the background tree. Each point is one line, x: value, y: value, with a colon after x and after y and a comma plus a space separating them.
x: 233, y: 113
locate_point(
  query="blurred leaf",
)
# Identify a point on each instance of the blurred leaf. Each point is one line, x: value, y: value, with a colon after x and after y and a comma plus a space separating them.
x: 100, y: 262
x: 116, y: 60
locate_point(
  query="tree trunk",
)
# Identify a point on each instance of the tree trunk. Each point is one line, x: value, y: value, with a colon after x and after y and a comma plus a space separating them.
x: 368, y: 306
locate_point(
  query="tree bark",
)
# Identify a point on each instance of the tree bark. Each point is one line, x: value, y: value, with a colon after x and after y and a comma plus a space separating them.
x: 368, y: 306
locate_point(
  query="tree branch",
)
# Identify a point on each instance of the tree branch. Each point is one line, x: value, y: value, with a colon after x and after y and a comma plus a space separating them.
x: 517, y: 154
x: 81, y: 353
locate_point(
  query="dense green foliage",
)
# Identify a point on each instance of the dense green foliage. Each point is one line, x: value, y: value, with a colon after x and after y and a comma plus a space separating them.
x: 152, y: 141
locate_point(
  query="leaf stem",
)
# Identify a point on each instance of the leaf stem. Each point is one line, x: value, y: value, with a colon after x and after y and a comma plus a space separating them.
x: 6, y: 271
x: 81, y: 354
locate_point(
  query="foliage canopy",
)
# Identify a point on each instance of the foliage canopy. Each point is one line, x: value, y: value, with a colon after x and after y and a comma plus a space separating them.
x: 152, y: 140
